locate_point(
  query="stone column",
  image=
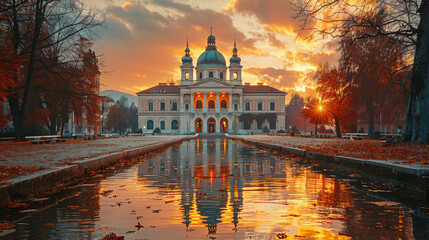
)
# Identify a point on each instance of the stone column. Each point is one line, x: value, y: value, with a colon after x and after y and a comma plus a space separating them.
x: 240, y: 109
x: 217, y: 102
x: 205, y: 125
x: 182, y: 104
x: 205, y: 102
x: 192, y: 103
x: 230, y: 102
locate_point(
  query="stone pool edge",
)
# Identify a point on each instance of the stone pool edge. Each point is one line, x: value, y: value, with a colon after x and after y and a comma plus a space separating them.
x: 39, y: 181
x: 412, y: 179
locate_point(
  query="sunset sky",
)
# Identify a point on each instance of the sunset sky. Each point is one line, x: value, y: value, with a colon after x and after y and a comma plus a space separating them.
x: 142, y: 42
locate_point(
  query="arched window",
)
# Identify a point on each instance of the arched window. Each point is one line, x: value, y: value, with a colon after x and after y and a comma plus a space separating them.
x: 199, y: 104
x: 235, y: 75
x: 211, y: 104
x: 174, y: 124
x: 149, y: 125
x: 221, y: 75
x: 186, y: 75
x: 223, y: 104
x: 210, y: 74
x: 162, y: 124
x: 201, y: 75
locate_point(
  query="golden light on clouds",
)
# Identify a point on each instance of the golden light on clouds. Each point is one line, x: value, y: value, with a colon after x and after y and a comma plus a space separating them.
x: 143, y: 44
x: 127, y: 5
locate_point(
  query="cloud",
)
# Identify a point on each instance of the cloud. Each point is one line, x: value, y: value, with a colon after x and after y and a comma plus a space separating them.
x: 277, y: 77
x: 140, y: 40
x: 275, y: 14
x: 310, y: 59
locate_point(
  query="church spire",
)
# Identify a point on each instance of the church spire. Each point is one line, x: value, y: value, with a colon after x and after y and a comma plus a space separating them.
x: 187, y: 48
x: 234, y: 50
x: 235, y: 59
x: 187, y: 58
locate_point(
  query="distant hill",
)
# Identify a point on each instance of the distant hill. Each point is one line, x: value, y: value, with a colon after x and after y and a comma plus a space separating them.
x: 116, y: 95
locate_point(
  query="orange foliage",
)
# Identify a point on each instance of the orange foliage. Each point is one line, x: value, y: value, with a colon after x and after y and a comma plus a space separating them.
x: 15, y: 171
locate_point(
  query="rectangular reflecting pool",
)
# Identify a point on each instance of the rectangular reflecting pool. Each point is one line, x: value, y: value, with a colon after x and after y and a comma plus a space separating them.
x: 215, y: 188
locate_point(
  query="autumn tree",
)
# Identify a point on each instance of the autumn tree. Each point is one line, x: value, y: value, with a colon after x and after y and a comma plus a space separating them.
x: 405, y: 21
x: 293, y: 111
x: 337, y: 94
x: 114, y: 118
x: 28, y: 30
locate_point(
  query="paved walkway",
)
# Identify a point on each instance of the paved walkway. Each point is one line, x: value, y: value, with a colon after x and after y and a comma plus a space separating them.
x: 17, y: 159
x: 403, y: 153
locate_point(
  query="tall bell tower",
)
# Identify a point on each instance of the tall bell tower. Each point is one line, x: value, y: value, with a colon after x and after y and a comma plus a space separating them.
x: 235, y: 67
x: 187, y: 76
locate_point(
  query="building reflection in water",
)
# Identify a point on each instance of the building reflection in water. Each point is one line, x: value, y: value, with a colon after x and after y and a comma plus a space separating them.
x: 210, y: 173
x: 216, y: 176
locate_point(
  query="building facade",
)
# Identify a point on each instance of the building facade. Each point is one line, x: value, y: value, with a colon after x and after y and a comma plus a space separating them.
x: 206, y: 101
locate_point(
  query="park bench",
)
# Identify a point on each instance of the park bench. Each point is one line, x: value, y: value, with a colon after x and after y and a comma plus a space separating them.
x: 355, y: 136
x: 46, y: 139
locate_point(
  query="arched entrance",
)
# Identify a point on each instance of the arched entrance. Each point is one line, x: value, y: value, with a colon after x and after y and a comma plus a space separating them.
x: 211, y: 124
x: 224, y: 125
x: 198, y: 125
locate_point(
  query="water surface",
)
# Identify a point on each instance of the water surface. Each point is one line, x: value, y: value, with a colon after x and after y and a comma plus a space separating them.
x: 220, y: 189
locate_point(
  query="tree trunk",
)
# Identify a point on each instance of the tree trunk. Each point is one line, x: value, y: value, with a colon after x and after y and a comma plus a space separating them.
x: 337, y: 127
x: 315, y: 130
x: 21, y: 111
x: 370, y: 112
x: 416, y: 127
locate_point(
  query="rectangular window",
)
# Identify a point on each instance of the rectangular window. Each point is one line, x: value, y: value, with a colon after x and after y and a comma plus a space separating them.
x: 273, y: 125
x: 236, y: 107
x: 150, y: 106
x: 174, y: 106
x: 186, y: 107
x: 259, y: 125
x: 247, y: 106
x: 259, y: 106
x: 272, y: 106
x: 246, y: 125
x: 162, y: 106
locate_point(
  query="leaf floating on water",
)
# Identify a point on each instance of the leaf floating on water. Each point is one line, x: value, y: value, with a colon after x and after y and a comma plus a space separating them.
x: 281, y: 235
x: 112, y: 236
x: 49, y: 224
x: 138, y: 217
x: 156, y: 211
x: 138, y: 226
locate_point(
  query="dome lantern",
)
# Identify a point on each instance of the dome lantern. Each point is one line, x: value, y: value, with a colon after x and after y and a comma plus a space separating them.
x: 211, y: 40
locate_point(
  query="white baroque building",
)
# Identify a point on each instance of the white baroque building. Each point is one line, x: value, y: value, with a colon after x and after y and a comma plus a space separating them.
x: 208, y: 102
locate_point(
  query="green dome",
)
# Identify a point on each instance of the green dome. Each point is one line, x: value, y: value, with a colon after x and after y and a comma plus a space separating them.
x: 211, y: 57
x: 211, y: 37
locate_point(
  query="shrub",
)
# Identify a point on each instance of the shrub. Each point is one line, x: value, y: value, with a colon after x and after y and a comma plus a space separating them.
x: 265, y: 129
x: 156, y: 131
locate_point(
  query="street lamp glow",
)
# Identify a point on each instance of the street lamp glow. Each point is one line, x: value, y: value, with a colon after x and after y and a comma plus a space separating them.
x: 320, y: 108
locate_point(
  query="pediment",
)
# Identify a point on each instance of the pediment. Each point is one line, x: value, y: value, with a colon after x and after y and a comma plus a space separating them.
x: 211, y: 83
